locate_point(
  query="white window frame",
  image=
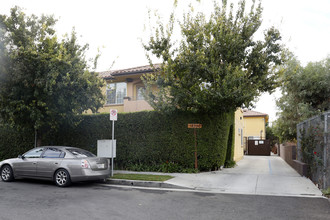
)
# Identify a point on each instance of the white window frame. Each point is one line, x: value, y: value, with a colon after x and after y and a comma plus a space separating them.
x: 137, y: 92
x: 119, y: 98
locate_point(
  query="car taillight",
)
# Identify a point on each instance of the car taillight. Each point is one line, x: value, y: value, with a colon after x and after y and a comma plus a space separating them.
x: 85, y: 164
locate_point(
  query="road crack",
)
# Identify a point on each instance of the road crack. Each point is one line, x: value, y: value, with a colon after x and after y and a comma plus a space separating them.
x: 255, y: 189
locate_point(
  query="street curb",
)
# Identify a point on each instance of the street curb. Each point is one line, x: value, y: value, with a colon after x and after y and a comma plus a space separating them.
x: 154, y: 184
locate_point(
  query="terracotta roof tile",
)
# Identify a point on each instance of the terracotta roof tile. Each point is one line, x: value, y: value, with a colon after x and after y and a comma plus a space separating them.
x: 250, y: 113
x: 129, y: 71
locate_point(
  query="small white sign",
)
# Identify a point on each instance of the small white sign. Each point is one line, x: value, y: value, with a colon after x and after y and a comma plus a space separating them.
x: 104, y: 148
x: 256, y: 143
x: 113, y: 114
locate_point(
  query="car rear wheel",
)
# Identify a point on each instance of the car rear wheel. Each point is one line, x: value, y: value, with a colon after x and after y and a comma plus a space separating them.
x: 7, y: 174
x: 62, y: 178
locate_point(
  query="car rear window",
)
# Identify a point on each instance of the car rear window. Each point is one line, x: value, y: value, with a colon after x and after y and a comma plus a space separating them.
x: 79, y: 153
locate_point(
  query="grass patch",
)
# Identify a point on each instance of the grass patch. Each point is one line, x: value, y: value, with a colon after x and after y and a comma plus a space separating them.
x: 326, y: 192
x: 144, y: 177
x: 230, y: 164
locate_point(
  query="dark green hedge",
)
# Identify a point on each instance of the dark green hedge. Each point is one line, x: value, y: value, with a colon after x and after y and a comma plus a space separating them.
x: 14, y: 142
x: 152, y: 141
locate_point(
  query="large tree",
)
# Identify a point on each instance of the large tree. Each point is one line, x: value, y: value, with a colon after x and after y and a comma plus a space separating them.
x: 305, y: 93
x: 218, y: 65
x: 43, y: 80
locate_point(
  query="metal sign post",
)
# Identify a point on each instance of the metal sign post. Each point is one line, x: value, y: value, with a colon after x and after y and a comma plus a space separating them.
x: 194, y: 126
x: 113, y: 118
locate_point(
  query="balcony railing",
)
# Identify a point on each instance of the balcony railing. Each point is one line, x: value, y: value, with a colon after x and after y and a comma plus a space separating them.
x: 133, y: 104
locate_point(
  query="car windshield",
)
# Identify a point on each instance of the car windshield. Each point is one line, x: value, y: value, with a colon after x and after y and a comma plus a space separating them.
x: 34, y: 153
x: 79, y: 153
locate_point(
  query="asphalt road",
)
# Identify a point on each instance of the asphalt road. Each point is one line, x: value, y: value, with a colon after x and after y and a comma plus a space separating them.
x: 29, y: 199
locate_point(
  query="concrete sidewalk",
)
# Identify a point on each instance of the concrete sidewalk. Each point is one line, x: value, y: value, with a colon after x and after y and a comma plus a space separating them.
x: 254, y: 175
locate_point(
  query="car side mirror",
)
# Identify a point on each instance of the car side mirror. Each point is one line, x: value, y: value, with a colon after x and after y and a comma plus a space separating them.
x: 21, y: 157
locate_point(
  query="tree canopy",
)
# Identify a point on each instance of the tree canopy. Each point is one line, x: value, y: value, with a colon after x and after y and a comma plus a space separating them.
x: 43, y: 80
x: 305, y: 93
x: 218, y: 64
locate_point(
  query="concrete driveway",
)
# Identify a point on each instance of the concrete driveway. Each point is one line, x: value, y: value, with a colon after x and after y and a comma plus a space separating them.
x: 255, y: 175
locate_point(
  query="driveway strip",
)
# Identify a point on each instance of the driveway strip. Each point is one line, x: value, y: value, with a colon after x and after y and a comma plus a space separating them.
x: 253, y: 175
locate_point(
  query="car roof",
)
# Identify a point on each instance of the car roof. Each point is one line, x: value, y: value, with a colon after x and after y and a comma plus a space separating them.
x: 60, y: 147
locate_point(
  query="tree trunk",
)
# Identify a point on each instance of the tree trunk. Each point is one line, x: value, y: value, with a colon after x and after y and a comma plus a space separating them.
x: 37, y: 140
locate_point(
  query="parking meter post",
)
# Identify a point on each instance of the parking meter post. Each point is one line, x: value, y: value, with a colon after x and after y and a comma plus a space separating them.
x: 113, y: 118
x: 112, y: 145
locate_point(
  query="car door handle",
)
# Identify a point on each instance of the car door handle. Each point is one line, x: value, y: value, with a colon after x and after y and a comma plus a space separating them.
x: 34, y: 162
x: 56, y: 163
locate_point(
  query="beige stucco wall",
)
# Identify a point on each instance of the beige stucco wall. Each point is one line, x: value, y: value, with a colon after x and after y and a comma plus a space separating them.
x: 239, y: 125
x: 106, y: 108
x: 255, y: 126
x: 135, y: 106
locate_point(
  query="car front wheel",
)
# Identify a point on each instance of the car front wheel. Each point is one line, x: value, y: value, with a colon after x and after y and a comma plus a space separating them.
x: 7, y: 174
x: 62, y: 178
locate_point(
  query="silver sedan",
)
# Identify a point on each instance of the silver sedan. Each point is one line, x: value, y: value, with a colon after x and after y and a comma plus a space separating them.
x: 60, y: 164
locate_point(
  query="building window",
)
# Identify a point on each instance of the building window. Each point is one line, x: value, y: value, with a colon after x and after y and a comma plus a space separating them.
x: 253, y: 137
x: 140, y: 90
x: 116, y: 93
x: 242, y: 142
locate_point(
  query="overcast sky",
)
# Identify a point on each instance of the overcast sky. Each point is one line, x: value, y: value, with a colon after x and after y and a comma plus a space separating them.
x: 116, y: 27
